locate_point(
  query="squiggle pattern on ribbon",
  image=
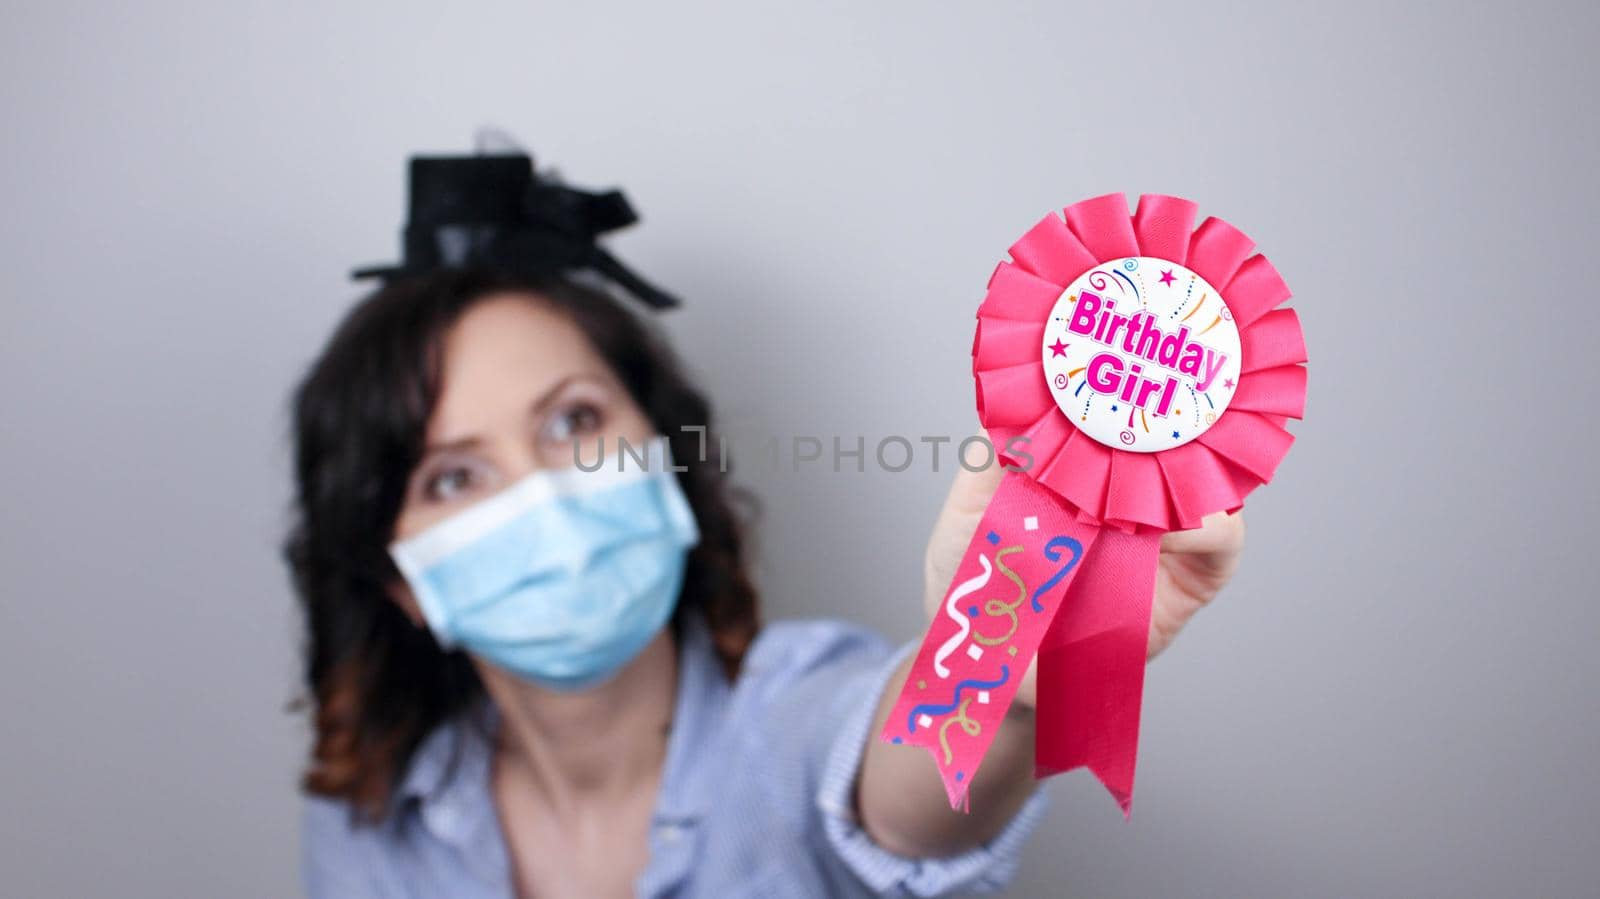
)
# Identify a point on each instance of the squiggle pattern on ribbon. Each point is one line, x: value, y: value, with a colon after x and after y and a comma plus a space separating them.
x: 974, y: 683
x: 952, y: 609
x: 999, y: 607
x: 1052, y: 551
x: 972, y: 727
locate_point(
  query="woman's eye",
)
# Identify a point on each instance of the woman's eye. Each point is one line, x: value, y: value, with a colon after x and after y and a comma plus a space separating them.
x: 573, y: 422
x: 449, y: 484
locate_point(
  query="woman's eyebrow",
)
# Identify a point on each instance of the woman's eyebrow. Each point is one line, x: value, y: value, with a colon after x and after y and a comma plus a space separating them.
x: 464, y: 443
x: 549, y: 396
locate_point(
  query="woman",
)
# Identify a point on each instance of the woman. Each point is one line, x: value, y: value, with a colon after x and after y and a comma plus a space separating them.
x: 531, y: 679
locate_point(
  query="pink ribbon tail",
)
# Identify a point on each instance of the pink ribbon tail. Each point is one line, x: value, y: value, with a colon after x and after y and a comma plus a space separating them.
x: 1036, y: 579
x: 1091, y: 665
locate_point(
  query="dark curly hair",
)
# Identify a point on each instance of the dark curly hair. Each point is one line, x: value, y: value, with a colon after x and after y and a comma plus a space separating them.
x: 377, y: 684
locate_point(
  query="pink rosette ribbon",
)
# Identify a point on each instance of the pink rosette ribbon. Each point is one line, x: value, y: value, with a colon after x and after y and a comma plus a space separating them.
x: 1135, y: 374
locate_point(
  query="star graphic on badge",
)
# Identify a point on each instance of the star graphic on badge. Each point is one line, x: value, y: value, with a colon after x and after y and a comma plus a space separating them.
x: 1166, y: 277
x: 1058, y: 348
x: 1228, y: 383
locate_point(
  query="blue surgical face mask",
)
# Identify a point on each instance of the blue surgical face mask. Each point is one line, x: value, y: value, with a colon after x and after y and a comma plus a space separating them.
x: 563, y: 577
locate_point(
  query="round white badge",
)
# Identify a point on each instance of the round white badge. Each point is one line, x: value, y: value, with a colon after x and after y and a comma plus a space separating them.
x: 1141, y: 354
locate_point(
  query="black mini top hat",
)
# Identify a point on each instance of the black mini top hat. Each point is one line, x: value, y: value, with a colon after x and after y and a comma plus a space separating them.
x: 496, y: 211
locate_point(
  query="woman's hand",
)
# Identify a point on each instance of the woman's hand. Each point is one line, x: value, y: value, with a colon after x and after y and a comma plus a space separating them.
x: 1193, y: 565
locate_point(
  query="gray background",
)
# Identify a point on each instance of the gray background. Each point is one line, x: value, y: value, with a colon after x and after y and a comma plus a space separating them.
x: 1395, y: 697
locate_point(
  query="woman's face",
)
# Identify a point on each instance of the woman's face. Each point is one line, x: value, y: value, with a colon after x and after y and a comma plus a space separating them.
x: 521, y: 385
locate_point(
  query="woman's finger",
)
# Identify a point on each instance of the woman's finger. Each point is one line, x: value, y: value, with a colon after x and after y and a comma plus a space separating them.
x: 1219, y: 532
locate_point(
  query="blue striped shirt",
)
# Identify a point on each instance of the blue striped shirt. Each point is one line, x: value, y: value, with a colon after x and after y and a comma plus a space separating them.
x: 755, y: 798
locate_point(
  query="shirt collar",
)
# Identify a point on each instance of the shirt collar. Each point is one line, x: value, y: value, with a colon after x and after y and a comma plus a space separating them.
x: 448, y: 779
x: 431, y: 762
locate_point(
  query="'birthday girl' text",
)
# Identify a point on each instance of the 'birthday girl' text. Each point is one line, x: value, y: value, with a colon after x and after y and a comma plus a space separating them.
x: 1139, y: 336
